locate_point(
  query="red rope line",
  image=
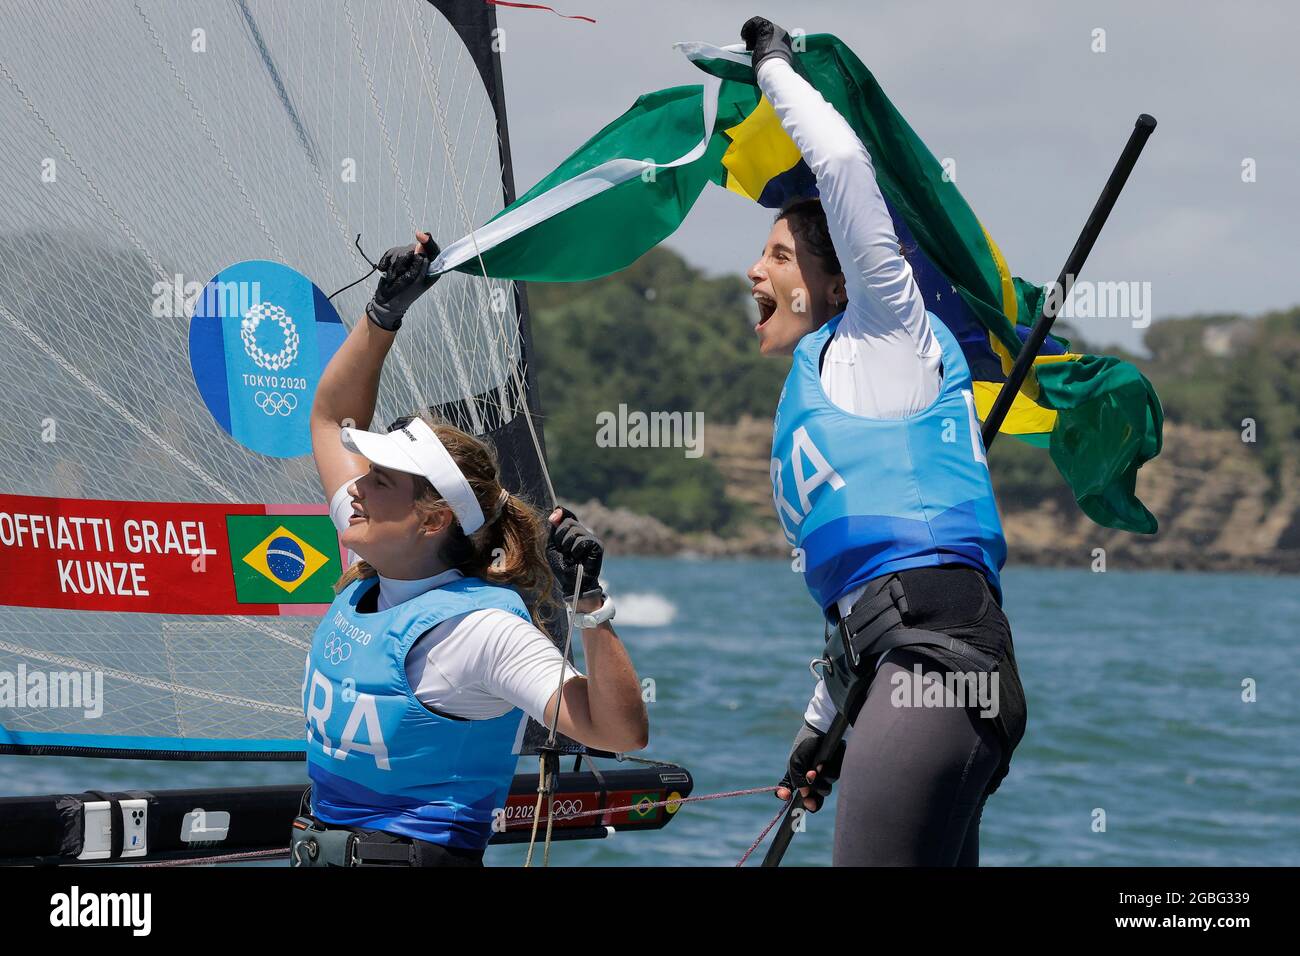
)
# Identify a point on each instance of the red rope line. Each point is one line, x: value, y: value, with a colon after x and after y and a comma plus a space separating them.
x: 538, y: 6
x: 767, y: 829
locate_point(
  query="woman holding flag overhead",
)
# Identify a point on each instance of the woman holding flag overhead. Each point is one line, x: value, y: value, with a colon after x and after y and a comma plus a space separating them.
x: 880, y: 482
x: 423, y: 667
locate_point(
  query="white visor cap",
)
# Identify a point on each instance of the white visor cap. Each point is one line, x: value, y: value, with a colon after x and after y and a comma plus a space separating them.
x: 416, y: 450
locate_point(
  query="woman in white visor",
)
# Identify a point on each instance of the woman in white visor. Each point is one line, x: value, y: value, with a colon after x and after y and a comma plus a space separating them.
x: 425, y: 665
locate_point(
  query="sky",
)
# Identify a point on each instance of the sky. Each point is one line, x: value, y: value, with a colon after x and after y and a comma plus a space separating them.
x: 1016, y: 93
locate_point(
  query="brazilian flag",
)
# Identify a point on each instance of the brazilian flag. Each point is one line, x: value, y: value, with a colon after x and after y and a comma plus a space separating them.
x: 632, y: 184
x: 284, y: 559
x: 643, y: 806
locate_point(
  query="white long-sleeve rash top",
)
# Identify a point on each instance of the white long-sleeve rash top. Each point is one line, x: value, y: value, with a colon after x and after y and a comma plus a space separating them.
x: 884, y: 360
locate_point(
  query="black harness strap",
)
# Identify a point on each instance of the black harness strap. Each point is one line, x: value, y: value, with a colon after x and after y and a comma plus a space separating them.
x: 382, y: 853
x: 913, y: 637
x: 873, y: 626
x: 314, y: 843
x: 870, y: 619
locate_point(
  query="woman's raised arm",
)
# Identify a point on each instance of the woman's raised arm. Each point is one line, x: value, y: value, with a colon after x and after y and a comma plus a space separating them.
x: 349, y: 386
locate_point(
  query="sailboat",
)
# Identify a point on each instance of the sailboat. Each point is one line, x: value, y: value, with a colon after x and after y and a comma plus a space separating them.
x: 184, y: 185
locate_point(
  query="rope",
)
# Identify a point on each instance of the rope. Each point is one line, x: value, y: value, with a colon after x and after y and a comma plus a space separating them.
x: 675, y: 803
x: 767, y: 829
x: 374, y: 267
x: 224, y: 858
x: 521, y: 390
x: 544, y: 782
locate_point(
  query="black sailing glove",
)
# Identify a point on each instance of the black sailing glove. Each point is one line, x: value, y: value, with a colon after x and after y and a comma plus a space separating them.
x: 766, y: 40
x: 405, y: 279
x: 572, y: 546
x: 802, y: 754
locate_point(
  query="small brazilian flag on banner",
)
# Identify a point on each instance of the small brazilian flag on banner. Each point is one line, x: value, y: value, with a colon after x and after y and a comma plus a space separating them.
x: 643, y: 806
x: 284, y: 559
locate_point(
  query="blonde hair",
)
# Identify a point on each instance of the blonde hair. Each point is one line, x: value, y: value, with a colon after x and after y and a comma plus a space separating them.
x: 510, y: 548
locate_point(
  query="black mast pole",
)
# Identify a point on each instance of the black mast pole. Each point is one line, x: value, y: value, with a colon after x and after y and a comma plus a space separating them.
x: 1052, y: 302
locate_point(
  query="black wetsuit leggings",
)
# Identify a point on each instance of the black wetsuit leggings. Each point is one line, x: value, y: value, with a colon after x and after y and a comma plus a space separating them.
x: 913, y: 783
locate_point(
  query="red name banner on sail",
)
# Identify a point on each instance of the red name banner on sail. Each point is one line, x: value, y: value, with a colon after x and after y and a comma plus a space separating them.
x: 167, y: 557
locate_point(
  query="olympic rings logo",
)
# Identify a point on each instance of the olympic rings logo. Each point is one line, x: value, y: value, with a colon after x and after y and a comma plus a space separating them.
x: 567, y: 808
x: 287, y: 355
x: 276, y: 403
x: 336, y: 649
x: 563, y: 808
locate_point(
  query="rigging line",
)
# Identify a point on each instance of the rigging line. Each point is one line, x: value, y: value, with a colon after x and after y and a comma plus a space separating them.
x: 399, y: 351
x: 379, y: 110
x: 527, y: 412
x: 544, y: 782
x: 537, y: 810
x: 374, y: 267
x: 207, y: 131
x: 555, y: 720
x: 288, y: 24
x: 281, y: 93
x: 273, y: 71
x: 171, y: 688
x: 171, y: 451
x: 768, y: 829
x: 550, y: 818
x: 223, y: 858
x: 407, y: 371
x: 521, y: 389
x: 490, y: 298
x: 568, y: 647
x: 434, y: 96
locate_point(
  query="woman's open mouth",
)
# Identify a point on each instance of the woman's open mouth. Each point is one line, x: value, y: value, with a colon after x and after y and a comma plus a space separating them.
x: 766, y: 308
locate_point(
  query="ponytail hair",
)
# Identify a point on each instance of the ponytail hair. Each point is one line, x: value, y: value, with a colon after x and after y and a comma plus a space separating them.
x: 509, y: 549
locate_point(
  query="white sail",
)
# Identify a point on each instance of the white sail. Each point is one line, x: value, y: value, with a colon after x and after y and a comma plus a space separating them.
x: 148, y: 145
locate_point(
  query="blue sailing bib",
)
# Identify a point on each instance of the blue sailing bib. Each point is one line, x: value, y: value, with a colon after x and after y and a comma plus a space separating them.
x: 380, y: 759
x: 863, y: 497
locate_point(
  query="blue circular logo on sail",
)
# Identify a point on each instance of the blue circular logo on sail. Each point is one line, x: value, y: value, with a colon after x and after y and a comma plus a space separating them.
x: 260, y: 336
x: 285, y: 559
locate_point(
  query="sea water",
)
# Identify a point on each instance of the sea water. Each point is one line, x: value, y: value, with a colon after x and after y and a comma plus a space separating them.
x: 1163, y: 718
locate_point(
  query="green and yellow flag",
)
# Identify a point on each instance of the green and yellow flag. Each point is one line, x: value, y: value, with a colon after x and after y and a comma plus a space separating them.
x: 284, y: 559
x: 633, y: 183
